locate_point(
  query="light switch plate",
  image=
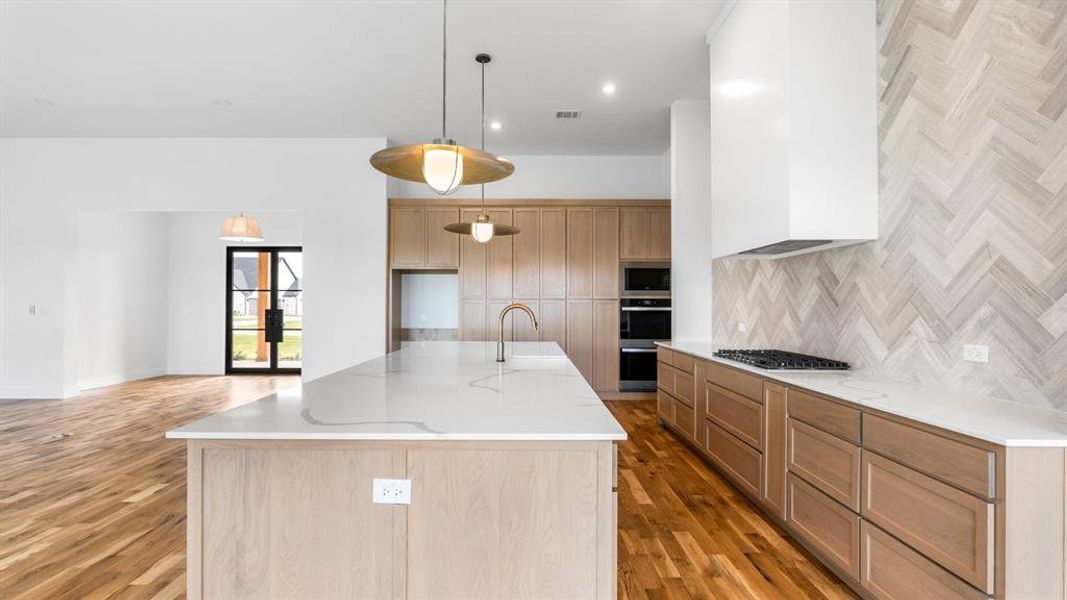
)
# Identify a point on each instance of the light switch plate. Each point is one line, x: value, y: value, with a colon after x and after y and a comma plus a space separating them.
x: 976, y: 354
x: 392, y: 491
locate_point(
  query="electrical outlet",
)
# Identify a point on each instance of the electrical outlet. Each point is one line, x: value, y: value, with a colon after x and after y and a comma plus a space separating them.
x: 422, y: 318
x: 392, y: 491
x: 742, y: 327
x: 975, y: 354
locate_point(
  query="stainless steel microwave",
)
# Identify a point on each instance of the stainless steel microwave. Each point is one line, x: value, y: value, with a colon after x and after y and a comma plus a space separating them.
x: 645, y: 279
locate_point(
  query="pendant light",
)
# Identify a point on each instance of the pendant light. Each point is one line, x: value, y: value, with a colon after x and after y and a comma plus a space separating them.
x: 241, y: 228
x: 443, y: 164
x: 482, y: 229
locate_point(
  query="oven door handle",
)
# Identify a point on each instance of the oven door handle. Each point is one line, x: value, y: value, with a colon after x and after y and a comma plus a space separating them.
x: 646, y: 309
x: 637, y: 350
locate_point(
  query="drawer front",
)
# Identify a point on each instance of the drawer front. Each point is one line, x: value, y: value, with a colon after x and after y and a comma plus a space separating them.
x: 838, y: 419
x: 683, y: 386
x: 734, y: 413
x: 665, y: 377
x: 830, y: 528
x: 736, y: 458
x: 685, y: 419
x: 889, y: 570
x: 952, y: 528
x: 665, y: 406
x: 683, y: 362
x: 829, y: 463
x: 967, y: 467
x: 747, y: 385
x: 663, y: 355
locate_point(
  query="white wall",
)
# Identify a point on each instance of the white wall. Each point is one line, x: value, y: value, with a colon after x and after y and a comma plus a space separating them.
x: 429, y: 301
x: 45, y: 181
x: 691, y: 220
x: 566, y: 177
x: 121, y: 297
x: 196, y: 315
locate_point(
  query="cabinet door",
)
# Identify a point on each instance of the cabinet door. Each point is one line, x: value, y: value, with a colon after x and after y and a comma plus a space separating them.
x: 774, y: 448
x: 472, y: 261
x: 659, y: 233
x: 633, y: 233
x: 580, y: 336
x: 472, y: 324
x: 606, y: 345
x: 832, y: 529
x: 407, y: 237
x: 500, y: 256
x: 442, y: 247
x: 527, y: 249
x: 606, y: 253
x: 492, y: 320
x: 553, y: 319
x: 553, y: 253
x: 522, y: 327
x: 579, y: 252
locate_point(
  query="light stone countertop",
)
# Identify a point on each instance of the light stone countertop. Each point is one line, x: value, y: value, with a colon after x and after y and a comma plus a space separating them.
x: 429, y: 391
x: 993, y: 420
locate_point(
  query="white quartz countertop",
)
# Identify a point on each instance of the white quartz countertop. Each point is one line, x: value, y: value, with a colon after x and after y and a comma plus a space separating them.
x: 991, y: 419
x: 429, y: 391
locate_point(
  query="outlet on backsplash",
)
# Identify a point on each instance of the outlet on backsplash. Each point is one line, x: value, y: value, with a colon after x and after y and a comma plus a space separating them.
x: 742, y: 327
x: 976, y: 354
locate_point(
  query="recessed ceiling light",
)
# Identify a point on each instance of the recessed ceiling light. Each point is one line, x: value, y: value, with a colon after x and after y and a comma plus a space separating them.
x: 495, y: 125
x: 608, y: 88
x: 43, y: 102
x: 222, y: 102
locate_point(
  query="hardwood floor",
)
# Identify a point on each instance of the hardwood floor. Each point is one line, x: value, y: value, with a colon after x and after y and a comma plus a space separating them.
x: 101, y: 513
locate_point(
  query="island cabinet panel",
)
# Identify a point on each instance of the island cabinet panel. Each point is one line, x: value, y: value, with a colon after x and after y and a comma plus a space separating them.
x: 553, y: 252
x: 579, y: 252
x: 605, y: 345
x: 952, y: 528
x: 774, y: 448
x: 962, y: 465
x: 606, y: 253
x: 442, y: 247
x: 827, y: 415
x: 499, y: 257
x: 506, y: 523
x: 889, y: 570
x: 659, y: 233
x: 553, y: 321
x: 407, y: 237
x: 829, y: 463
x: 580, y: 336
x: 527, y: 253
x: 293, y: 520
x: 831, y: 529
x: 472, y: 261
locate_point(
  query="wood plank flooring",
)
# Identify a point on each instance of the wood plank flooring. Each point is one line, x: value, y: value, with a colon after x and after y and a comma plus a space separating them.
x: 100, y: 513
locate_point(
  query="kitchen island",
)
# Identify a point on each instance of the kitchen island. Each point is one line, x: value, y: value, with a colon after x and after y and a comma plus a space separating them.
x: 511, y: 467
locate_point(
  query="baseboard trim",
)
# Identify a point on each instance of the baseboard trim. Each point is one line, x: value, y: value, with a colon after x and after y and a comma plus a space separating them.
x: 99, y: 382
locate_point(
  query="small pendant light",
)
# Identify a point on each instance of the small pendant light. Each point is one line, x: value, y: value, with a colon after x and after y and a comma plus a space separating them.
x: 241, y: 228
x: 443, y: 164
x: 482, y: 229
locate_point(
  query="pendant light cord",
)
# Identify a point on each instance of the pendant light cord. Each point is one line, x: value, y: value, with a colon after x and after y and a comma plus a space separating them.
x: 483, y: 130
x: 444, y: 70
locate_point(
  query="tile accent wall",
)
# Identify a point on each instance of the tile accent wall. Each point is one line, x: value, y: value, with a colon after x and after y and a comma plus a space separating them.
x: 973, y: 214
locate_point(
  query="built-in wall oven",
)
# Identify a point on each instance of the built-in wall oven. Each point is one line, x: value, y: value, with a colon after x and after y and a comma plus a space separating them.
x: 642, y: 322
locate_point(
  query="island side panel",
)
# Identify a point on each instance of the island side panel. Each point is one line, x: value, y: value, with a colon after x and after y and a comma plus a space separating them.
x: 193, y: 520
x: 294, y: 519
x: 511, y: 519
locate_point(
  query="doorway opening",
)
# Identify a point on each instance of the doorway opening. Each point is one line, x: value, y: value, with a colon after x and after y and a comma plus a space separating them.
x: 264, y: 309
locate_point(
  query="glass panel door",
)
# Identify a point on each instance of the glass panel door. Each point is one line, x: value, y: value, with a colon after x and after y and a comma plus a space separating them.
x: 264, y: 310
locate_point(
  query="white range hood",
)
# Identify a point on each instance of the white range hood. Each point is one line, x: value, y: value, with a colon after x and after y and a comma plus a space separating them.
x: 794, y: 127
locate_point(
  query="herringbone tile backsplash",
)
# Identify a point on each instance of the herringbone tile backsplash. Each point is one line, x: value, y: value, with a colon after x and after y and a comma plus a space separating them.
x: 973, y: 214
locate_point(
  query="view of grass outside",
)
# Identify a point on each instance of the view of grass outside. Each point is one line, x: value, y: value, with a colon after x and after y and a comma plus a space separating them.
x: 244, y: 342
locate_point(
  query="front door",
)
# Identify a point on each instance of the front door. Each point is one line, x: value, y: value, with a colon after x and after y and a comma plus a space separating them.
x: 264, y: 309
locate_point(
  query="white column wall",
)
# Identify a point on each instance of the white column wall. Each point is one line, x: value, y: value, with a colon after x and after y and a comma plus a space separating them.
x: 691, y: 220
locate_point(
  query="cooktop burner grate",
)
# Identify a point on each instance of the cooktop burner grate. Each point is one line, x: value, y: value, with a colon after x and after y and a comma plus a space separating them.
x: 780, y: 359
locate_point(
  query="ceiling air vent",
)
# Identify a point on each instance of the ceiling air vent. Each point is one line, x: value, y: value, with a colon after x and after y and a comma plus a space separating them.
x: 568, y: 114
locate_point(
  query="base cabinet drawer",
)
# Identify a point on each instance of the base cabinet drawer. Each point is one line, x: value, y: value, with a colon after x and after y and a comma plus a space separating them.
x: 739, y: 460
x: 950, y: 527
x: 683, y: 386
x: 683, y: 362
x: 889, y: 570
x: 665, y: 377
x: 832, y: 529
x: 665, y: 406
x: 685, y: 419
x: 735, y: 413
x: 827, y: 462
x: 827, y: 415
x: 749, y: 386
x: 664, y: 355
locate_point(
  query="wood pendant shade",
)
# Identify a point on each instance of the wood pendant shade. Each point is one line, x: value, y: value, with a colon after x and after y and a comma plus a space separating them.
x: 405, y: 162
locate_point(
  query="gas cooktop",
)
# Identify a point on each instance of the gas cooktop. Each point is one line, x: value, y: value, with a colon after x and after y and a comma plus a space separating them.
x: 780, y: 359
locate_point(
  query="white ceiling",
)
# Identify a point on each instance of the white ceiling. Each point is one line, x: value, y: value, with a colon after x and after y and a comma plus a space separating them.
x: 252, y: 68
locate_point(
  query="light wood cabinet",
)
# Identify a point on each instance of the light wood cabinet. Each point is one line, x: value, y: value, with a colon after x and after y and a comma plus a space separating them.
x: 774, y: 448
x: 605, y: 345
x: 606, y: 253
x: 553, y: 253
x: 952, y: 528
x: 522, y: 327
x: 665, y: 406
x: 472, y: 320
x: 645, y: 233
x: 682, y: 362
x: 553, y: 321
x: 827, y: 462
x: 736, y: 381
x: 580, y: 336
x: 889, y: 570
x: 472, y: 261
x: 735, y: 413
x: 442, y: 247
x: 527, y: 253
x: 831, y: 529
x: 827, y: 415
x: 499, y: 258
x: 685, y: 419
x: 579, y: 253
x: 417, y: 237
x: 492, y: 320
x: 738, y: 460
